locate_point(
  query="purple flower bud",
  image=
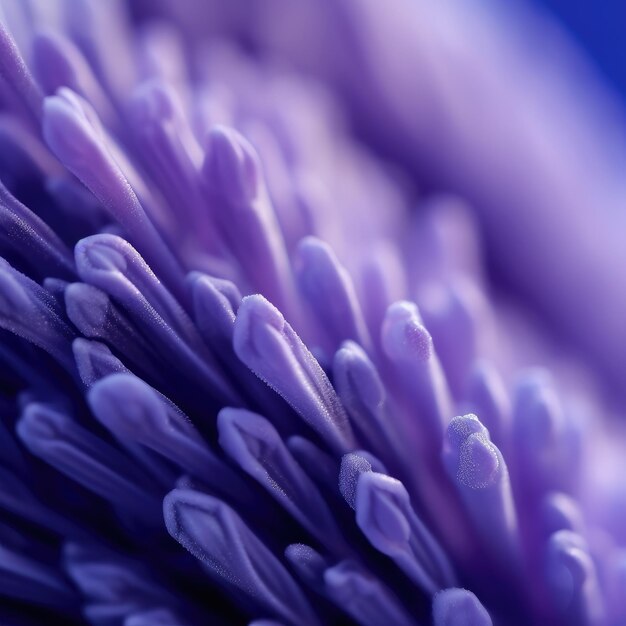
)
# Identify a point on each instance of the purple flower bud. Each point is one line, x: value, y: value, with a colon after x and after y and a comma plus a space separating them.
x: 386, y: 518
x: 268, y: 345
x: 219, y: 538
x: 455, y: 607
x: 64, y: 444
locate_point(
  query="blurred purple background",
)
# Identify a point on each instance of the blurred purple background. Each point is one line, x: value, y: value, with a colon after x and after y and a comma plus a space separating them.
x: 494, y: 103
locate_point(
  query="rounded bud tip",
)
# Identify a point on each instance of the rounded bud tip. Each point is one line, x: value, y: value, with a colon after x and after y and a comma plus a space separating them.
x: 404, y: 337
x: 381, y: 505
x: 479, y: 462
x: 231, y: 167
x: 459, y: 607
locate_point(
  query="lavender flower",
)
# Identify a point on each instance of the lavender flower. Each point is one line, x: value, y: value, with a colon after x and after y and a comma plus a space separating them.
x: 244, y: 379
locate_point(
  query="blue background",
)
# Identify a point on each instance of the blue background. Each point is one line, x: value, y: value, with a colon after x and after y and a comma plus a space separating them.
x: 600, y: 27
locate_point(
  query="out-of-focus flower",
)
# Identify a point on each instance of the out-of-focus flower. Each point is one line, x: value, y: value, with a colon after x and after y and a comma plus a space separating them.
x: 209, y: 287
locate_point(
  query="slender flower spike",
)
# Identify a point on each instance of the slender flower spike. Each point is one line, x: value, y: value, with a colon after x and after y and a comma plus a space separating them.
x: 479, y: 473
x: 252, y: 371
x: 385, y: 516
x: 329, y: 292
x: 268, y: 345
x: 458, y: 607
x: 409, y: 347
x: 17, y: 77
x: 218, y: 537
x: 134, y: 412
x: 25, y: 234
x: 232, y: 178
x: 66, y: 446
x: 363, y: 597
x: 253, y: 443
